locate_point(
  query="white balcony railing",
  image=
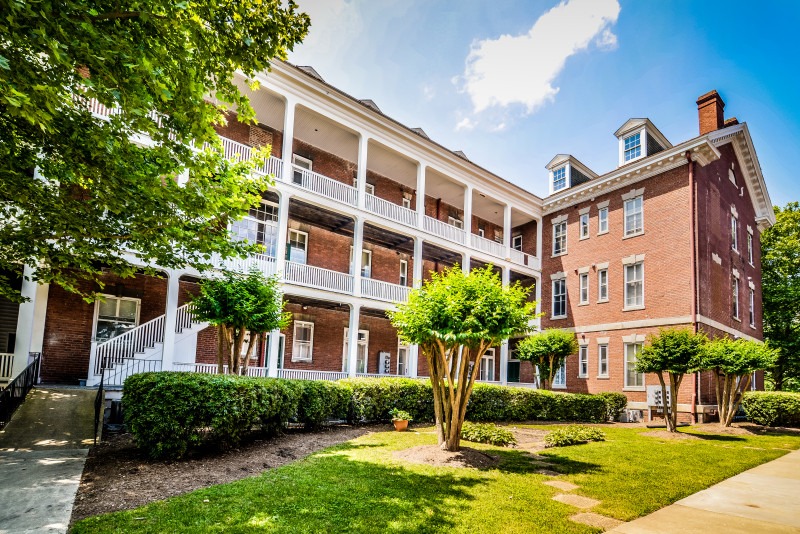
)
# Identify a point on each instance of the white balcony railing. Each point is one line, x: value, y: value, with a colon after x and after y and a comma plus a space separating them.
x: 384, y: 290
x: 442, y: 229
x: 521, y: 258
x: 241, y: 152
x: 308, y: 275
x: 327, y: 187
x: 390, y: 210
x: 303, y: 374
x: 487, y: 245
x: 6, y: 366
x: 259, y: 262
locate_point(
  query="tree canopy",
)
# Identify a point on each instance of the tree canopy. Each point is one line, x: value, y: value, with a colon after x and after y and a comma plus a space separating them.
x: 780, y: 271
x: 99, y: 188
x: 455, y: 318
x: 547, y: 351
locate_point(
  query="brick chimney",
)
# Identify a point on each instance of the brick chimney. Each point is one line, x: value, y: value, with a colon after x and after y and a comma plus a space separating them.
x: 710, y: 112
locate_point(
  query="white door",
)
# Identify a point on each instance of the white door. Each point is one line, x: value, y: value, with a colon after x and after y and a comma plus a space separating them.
x: 362, y: 353
x: 487, y: 366
x: 402, y: 360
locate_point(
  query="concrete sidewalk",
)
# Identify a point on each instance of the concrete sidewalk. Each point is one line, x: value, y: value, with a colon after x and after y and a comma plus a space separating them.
x: 42, y: 453
x: 763, y: 499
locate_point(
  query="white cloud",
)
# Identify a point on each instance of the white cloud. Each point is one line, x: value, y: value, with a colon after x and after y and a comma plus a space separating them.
x: 428, y: 92
x: 466, y: 124
x: 522, y: 69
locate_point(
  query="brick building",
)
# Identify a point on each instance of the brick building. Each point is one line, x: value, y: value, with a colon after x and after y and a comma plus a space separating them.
x: 364, y: 208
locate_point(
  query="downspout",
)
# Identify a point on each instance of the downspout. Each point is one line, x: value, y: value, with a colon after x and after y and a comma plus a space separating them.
x: 693, y: 276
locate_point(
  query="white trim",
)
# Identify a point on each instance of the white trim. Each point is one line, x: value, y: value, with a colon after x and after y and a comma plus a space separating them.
x: 584, y: 218
x: 625, y: 305
x: 603, y: 340
x: 583, y: 350
x: 407, y: 348
x: 403, y: 276
x: 734, y: 212
x: 727, y: 329
x: 581, y: 278
x: 561, y: 218
x: 346, y: 349
x: 584, y: 211
x: 633, y: 193
x: 558, y: 275
x: 604, y: 265
x: 600, y: 297
x: 716, y: 259
x: 583, y: 270
x: 749, y: 229
x: 564, y: 236
x: 289, y: 249
x: 600, y: 211
x: 295, y: 358
x: 603, y: 204
x: 97, y: 311
x: 631, y: 325
x: 634, y: 338
x: 300, y: 161
x: 751, y: 285
x: 553, y: 298
x: 634, y: 258
x: 735, y: 273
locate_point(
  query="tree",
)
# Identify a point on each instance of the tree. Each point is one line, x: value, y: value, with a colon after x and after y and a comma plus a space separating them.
x: 239, y: 304
x: 780, y: 272
x: 675, y: 352
x: 455, y: 318
x: 547, y: 352
x: 733, y: 362
x: 75, y: 189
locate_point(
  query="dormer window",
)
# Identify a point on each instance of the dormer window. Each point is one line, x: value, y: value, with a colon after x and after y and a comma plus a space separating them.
x: 559, y: 179
x: 639, y: 138
x: 633, y: 146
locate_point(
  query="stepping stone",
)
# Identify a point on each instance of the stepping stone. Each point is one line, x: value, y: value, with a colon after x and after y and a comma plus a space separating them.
x: 562, y: 485
x: 576, y: 500
x: 596, y: 520
x: 548, y: 473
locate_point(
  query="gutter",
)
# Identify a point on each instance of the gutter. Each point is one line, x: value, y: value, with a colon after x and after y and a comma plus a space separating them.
x: 693, y: 276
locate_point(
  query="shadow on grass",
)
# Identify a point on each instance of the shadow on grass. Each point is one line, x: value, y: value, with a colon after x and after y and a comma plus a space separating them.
x: 717, y: 437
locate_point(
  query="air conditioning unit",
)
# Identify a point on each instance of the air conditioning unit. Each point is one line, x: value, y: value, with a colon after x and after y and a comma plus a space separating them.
x: 633, y: 416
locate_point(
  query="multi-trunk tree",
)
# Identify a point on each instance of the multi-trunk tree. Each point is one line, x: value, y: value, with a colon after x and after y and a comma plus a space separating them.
x: 547, y: 351
x: 455, y: 318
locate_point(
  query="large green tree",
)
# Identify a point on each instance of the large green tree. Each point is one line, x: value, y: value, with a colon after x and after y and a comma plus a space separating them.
x: 780, y: 272
x: 103, y: 185
x: 455, y: 318
x: 547, y: 351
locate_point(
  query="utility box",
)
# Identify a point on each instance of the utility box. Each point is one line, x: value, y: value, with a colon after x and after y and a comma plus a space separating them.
x: 385, y: 363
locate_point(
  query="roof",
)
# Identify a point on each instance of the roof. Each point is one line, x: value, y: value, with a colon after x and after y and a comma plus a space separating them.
x: 636, y: 124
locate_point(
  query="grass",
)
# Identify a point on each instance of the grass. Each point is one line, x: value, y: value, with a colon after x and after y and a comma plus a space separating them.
x: 360, y: 487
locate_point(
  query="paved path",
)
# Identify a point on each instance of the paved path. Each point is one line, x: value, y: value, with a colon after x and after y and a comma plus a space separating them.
x: 42, y: 452
x: 763, y: 499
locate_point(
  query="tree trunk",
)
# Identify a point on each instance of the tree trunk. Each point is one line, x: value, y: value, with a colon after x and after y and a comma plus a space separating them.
x: 550, y: 372
x: 666, y: 408
x: 674, y: 384
x: 221, y: 336
x: 254, y: 339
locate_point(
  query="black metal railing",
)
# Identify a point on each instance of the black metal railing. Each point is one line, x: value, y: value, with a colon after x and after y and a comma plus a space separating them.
x: 15, y: 392
x: 114, y: 377
x: 99, y: 404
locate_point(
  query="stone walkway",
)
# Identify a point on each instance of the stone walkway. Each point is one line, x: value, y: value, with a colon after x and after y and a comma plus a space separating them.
x: 42, y: 452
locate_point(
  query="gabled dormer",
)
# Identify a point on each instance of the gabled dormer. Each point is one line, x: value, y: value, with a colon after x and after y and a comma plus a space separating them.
x: 639, y: 138
x: 566, y: 171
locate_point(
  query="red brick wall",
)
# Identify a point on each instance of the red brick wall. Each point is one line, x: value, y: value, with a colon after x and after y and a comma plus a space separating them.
x: 528, y: 232
x: 438, y: 209
x: 390, y: 190
x: 490, y: 229
x: 326, y: 163
x: 251, y: 134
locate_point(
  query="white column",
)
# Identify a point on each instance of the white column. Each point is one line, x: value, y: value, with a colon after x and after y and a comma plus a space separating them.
x: 288, y: 139
x: 413, y: 361
x: 468, y: 213
x: 361, y: 173
x: 358, y: 245
x: 30, y: 321
x: 283, y: 233
x: 170, y: 319
x: 466, y: 263
x: 421, y: 193
x: 272, y: 353
x: 418, y: 262
x: 504, y: 362
x: 507, y: 226
x: 505, y: 276
x: 352, y: 339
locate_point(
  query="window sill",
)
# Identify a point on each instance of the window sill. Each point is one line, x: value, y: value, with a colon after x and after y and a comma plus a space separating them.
x: 302, y: 361
x: 584, y: 238
x: 630, y: 236
x: 603, y: 301
x: 634, y: 388
x: 584, y: 304
x: 557, y: 317
x: 583, y: 377
x: 602, y: 377
x: 602, y: 233
x: 559, y: 254
x: 633, y: 308
x: 737, y: 319
x: 559, y: 386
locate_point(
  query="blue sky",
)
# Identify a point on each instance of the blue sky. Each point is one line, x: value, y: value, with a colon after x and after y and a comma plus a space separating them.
x: 512, y: 83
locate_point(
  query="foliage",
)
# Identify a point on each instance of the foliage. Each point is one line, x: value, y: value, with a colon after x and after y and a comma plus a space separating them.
x: 322, y: 401
x: 733, y: 362
x: 455, y: 318
x: 99, y: 188
x: 573, y: 435
x: 373, y: 399
x: 239, y: 304
x: 772, y: 408
x: 547, y: 351
x: 780, y: 275
x: 674, y: 351
x: 487, y: 433
x: 615, y: 403
x: 400, y: 415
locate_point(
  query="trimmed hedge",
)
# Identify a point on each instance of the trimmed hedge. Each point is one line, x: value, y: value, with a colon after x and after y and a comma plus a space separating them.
x: 498, y: 403
x: 373, y: 398
x: 487, y: 433
x: 772, y: 408
x: 573, y: 435
x: 615, y: 404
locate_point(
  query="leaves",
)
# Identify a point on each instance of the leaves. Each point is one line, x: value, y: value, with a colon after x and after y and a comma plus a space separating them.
x: 547, y: 351
x: 673, y: 350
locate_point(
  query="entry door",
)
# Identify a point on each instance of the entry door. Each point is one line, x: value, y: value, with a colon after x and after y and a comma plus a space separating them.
x: 363, y: 351
x: 487, y: 366
x: 513, y: 371
x: 281, y: 342
x: 402, y: 360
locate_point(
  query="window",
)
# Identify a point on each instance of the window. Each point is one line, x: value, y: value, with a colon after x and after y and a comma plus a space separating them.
x: 560, y: 376
x: 302, y: 163
x: 734, y: 233
x: 750, y: 248
x: 735, y: 297
x: 584, y: 226
x: 403, y: 272
x: 402, y: 360
x: 560, y: 238
x: 559, y: 179
x: 481, y: 230
x: 407, y: 203
x: 752, y: 307
x: 114, y: 316
x: 498, y: 236
x: 487, y: 366
x: 298, y: 246
x: 634, y: 217
x: 361, y: 353
x: 303, y: 341
x: 366, y: 262
x: 602, y: 360
x: 602, y: 285
x: 559, y: 298
x: 370, y: 189
x: 633, y: 380
x: 633, y: 146
x: 583, y: 361
x: 602, y: 220
x: 634, y: 285
x: 516, y: 242
x: 258, y: 226
x: 458, y: 223
x: 584, y: 287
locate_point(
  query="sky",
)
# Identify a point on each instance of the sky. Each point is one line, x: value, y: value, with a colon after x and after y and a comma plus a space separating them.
x: 514, y: 82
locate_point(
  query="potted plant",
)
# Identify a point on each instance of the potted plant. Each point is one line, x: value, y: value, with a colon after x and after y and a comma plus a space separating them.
x: 400, y: 418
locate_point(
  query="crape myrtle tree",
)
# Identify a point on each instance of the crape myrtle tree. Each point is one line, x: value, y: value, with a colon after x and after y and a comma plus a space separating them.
x: 674, y: 352
x: 547, y: 351
x: 76, y: 189
x: 733, y: 362
x: 240, y: 305
x: 455, y: 318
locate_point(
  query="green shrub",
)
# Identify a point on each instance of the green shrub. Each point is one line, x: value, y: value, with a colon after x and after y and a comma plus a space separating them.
x: 487, y: 433
x: 573, y: 435
x: 400, y: 415
x: 772, y: 408
x: 498, y: 403
x: 374, y: 398
x: 322, y: 401
x: 615, y: 404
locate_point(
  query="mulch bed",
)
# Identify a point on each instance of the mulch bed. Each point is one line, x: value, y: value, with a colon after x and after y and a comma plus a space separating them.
x: 433, y: 455
x: 118, y: 476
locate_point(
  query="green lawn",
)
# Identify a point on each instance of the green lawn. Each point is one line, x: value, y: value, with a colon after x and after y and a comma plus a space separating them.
x: 359, y: 487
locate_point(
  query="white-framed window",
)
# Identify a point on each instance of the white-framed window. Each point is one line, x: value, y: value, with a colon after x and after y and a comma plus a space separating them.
x: 297, y: 249
x: 303, y: 163
x: 583, y: 361
x: 634, y: 285
x: 584, y: 288
x: 481, y: 231
x: 559, y: 298
x: 602, y: 221
x: 560, y: 376
x: 602, y: 285
x: 403, y: 273
x: 634, y: 216
x: 258, y: 226
x: 369, y: 189
x: 633, y: 147
x: 498, y: 235
x: 113, y: 316
x: 633, y: 380
x: 602, y: 360
x: 584, y: 226
x: 559, y: 179
x: 486, y: 371
x: 406, y: 203
x: 750, y: 248
x: 752, y: 307
x: 402, y: 360
x: 453, y: 221
x: 735, y: 296
x: 362, y: 355
x: 516, y: 242
x: 366, y: 262
x: 303, y: 341
x: 560, y: 238
x: 734, y: 233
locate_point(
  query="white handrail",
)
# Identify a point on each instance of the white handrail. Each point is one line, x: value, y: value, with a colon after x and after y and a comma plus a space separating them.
x: 522, y: 258
x: 304, y: 374
x: 390, y: 210
x: 6, y: 366
x: 241, y: 152
x: 442, y: 229
x: 487, y: 245
x: 327, y: 187
x: 261, y: 262
x: 380, y: 290
x: 309, y: 275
